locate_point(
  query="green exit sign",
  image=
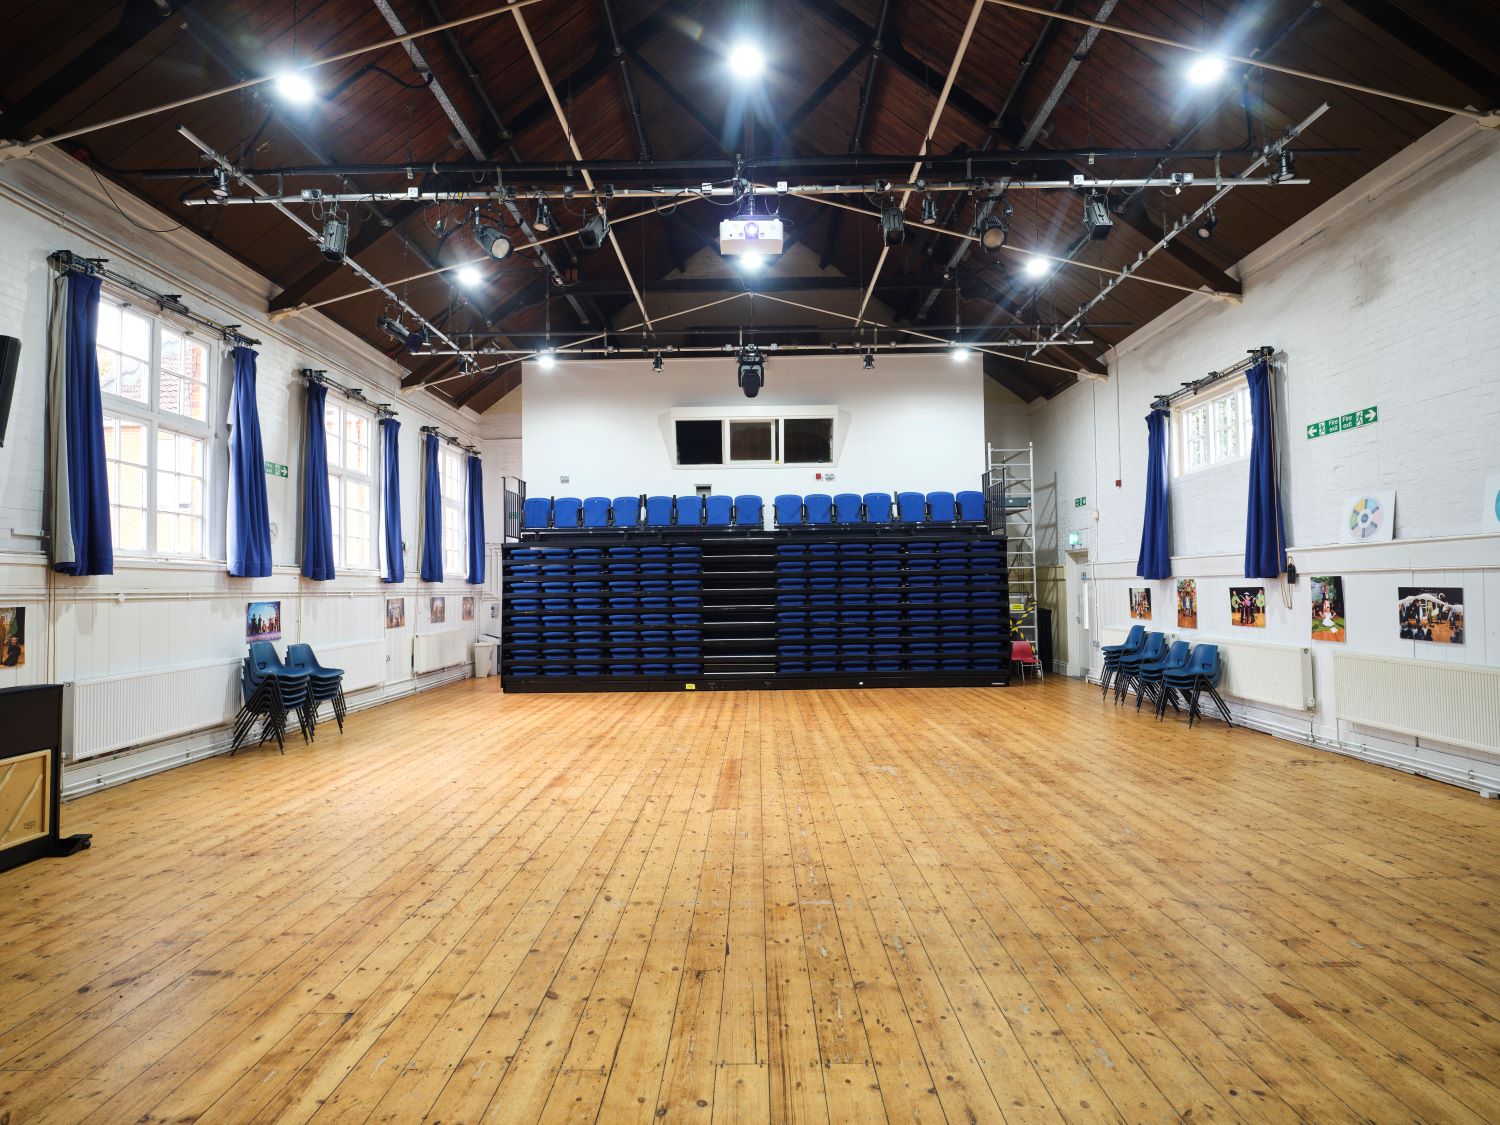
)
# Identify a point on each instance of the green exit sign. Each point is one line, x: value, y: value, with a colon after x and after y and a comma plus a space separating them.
x: 1080, y: 501
x: 1339, y: 423
x: 275, y: 470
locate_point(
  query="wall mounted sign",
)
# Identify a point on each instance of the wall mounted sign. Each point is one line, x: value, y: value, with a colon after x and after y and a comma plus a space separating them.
x: 1341, y: 422
x: 275, y: 470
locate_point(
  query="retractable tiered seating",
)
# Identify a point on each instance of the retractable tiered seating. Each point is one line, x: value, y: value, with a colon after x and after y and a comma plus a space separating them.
x: 815, y: 510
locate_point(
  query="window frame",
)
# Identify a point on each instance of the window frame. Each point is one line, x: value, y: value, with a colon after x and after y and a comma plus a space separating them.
x: 158, y: 421
x: 777, y: 420
x: 457, y: 505
x: 1205, y: 405
x: 341, y: 475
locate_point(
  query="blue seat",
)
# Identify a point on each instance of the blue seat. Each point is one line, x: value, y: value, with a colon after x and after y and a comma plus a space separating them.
x: 1150, y: 675
x: 847, y: 508
x: 625, y: 511
x: 971, y: 506
x: 1202, y: 673
x: 566, y: 511
x: 748, y: 511
x: 819, y: 507
x: 658, y: 511
x: 1130, y: 662
x: 911, y: 507
x: 536, y: 512
x: 596, y: 511
x: 788, y: 511
x: 690, y: 511
x: 941, y: 507
x: 877, y: 507
x: 1112, y: 654
x: 718, y: 511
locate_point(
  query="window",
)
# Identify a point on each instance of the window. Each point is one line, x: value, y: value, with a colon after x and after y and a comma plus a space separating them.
x: 154, y: 382
x: 455, y: 525
x: 754, y: 441
x: 350, y: 490
x: 1214, y: 429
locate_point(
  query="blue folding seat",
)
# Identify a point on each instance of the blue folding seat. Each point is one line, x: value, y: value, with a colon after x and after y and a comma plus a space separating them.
x: 718, y: 511
x: 970, y: 506
x: 658, y: 511
x: 625, y: 552
x: 652, y: 668
x: 847, y: 508
x: 625, y: 511
x: 748, y: 511
x: 596, y: 511
x: 788, y: 511
x: 941, y: 508
x: 819, y: 508
x: 655, y: 551
x: 536, y: 512
x: 911, y: 507
x: 567, y: 512
x: 877, y: 507
x: 690, y: 511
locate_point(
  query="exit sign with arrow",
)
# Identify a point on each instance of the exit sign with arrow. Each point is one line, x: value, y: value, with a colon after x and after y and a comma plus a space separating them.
x: 1351, y: 421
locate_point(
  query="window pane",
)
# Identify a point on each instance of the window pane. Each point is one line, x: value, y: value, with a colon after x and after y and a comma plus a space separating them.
x: 109, y: 325
x: 171, y: 352
x: 331, y: 429
x: 357, y: 441
x: 752, y: 441
x: 134, y: 379
x: 135, y: 335
x: 808, y: 441
x: 700, y: 442
x: 109, y: 372
x: 131, y: 529
x: 1196, y: 444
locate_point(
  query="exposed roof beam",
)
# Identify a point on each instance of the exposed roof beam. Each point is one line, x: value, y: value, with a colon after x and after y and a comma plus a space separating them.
x: 627, y: 86
x: 1402, y: 29
x: 825, y: 88
x: 684, y: 103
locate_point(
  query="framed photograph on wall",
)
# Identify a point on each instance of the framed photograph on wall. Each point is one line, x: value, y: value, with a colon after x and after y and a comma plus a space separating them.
x: 12, y: 636
x: 1431, y: 613
x: 1247, y: 606
x: 1187, y: 603
x: 395, y: 613
x: 1140, y: 603
x: 262, y: 621
x: 1328, y: 609
x: 437, y: 611
x: 468, y: 607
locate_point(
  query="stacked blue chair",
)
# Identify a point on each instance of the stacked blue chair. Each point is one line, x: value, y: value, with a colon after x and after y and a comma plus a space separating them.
x: 847, y: 508
x: 625, y: 511
x: 877, y: 507
x: 788, y: 511
x: 658, y: 511
x: 566, y: 512
x: 749, y: 511
x: 971, y: 506
x: 1129, y: 665
x: 596, y: 511
x: 819, y: 506
x: 1202, y: 673
x: 327, y: 684
x: 536, y: 513
x: 718, y: 511
x: 293, y: 692
x: 1112, y: 654
x: 260, y: 700
x: 1150, y: 675
x: 690, y: 511
x: 911, y: 507
x: 941, y: 507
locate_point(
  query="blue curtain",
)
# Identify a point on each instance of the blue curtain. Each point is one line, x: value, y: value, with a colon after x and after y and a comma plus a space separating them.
x: 81, y: 542
x: 317, y: 521
x: 1265, y: 533
x: 249, y: 531
x: 1156, y: 553
x: 432, y: 512
x: 476, y: 521
x: 395, y: 557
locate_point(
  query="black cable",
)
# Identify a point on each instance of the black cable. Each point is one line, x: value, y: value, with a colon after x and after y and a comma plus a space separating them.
x: 149, y: 230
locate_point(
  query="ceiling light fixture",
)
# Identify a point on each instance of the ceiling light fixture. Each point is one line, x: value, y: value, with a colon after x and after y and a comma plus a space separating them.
x: 219, y: 186
x: 1207, y: 224
x: 751, y: 262
x: 469, y: 277
x: 869, y: 361
x: 543, y: 221
x: 752, y: 370
x: 656, y: 363
x: 992, y: 234
x: 892, y: 225
x: 1206, y: 69
x: 295, y: 88
x: 593, y: 233
x: 392, y: 328
x: 746, y: 60
x: 960, y: 352
x: 1037, y: 266
x: 493, y: 242
x: 335, y: 238
x: 929, y: 211
x: 547, y: 358
x: 1096, y: 217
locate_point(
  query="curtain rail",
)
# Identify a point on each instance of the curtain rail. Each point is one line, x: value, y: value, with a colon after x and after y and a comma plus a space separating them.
x: 65, y: 261
x: 382, y: 409
x: 1198, y: 386
x: 453, y: 441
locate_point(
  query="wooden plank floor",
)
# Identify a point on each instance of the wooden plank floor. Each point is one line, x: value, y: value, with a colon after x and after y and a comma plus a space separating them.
x: 943, y: 905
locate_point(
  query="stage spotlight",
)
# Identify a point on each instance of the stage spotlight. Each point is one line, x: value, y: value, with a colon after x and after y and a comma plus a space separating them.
x: 547, y: 358
x: 1206, y: 225
x: 468, y: 276
x: 892, y: 225
x: 746, y: 60
x: 493, y: 242
x: 656, y: 363
x: 1286, y: 166
x: 392, y: 328
x: 869, y: 361
x: 960, y: 353
x: 593, y: 233
x: 929, y: 211
x: 543, y: 221
x: 1038, y: 267
x: 219, y: 186
x: 992, y: 234
x: 1096, y: 217
x: 752, y: 371
x: 295, y: 88
x: 416, y: 340
x: 335, y: 238
x: 1206, y: 69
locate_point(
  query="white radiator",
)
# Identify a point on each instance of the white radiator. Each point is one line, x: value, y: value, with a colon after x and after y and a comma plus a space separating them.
x: 363, y: 662
x: 1281, y: 675
x: 114, y: 712
x: 431, y: 651
x: 1456, y: 703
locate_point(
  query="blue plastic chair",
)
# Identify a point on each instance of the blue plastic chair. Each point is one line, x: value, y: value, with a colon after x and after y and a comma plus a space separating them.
x: 847, y: 507
x: 819, y: 508
x: 1203, y: 673
x: 690, y: 511
x: 970, y: 506
x: 1112, y: 654
x: 877, y: 507
x: 941, y: 507
x: 788, y: 511
x: 327, y: 684
x: 596, y: 511
x: 718, y: 511
x: 749, y: 511
x: 625, y: 511
x: 566, y: 512
x: 1150, y: 675
x: 658, y: 511
x: 536, y: 513
x: 911, y: 507
x: 1130, y: 663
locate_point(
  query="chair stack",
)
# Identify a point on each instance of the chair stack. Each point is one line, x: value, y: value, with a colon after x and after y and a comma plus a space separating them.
x: 1113, y: 654
x: 326, y: 684
x: 890, y: 606
x: 1201, y: 673
x: 268, y: 691
x: 1128, y: 666
x: 610, y: 610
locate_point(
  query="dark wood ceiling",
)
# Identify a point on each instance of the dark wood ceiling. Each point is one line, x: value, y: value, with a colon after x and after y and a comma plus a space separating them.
x: 72, y: 64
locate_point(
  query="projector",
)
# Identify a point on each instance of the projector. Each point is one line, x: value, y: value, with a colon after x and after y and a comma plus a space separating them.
x: 750, y: 235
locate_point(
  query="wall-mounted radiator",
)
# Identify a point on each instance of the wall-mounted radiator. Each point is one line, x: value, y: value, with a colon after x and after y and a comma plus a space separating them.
x: 1281, y: 675
x: 1455, y: 703
x: 113, y: 712
x: 432, y: 651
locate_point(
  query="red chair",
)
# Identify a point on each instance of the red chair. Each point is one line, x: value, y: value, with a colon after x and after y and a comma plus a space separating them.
x: 1023, y: 656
